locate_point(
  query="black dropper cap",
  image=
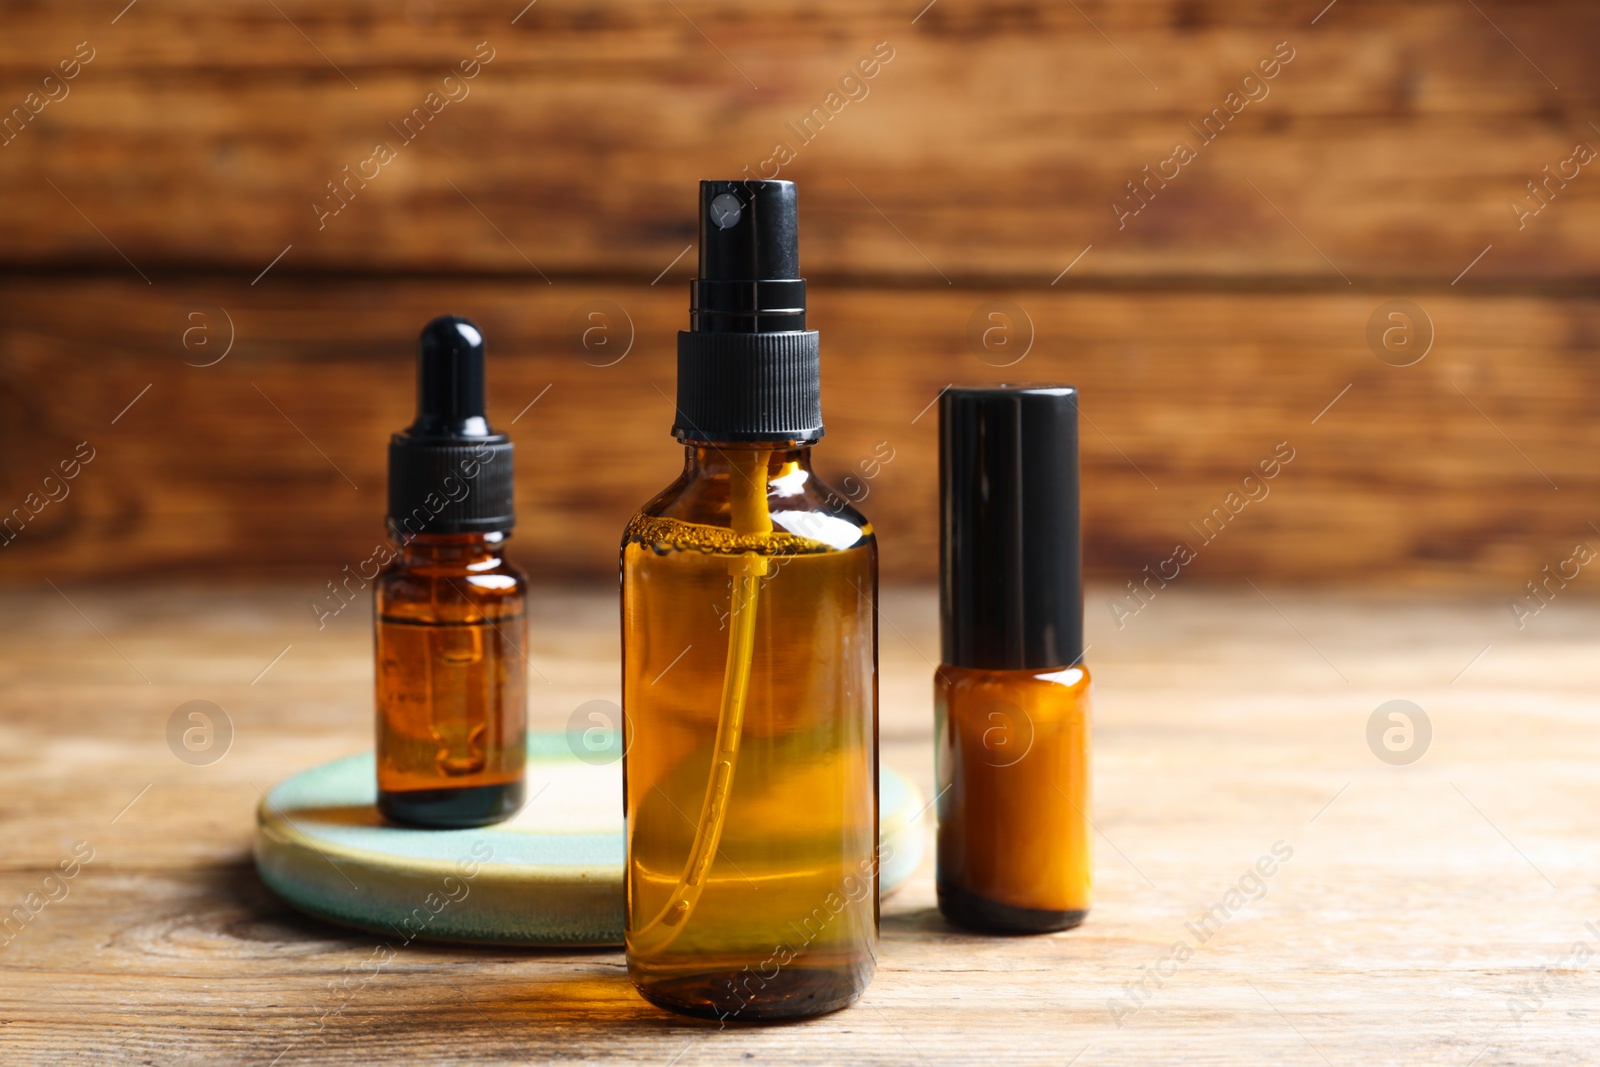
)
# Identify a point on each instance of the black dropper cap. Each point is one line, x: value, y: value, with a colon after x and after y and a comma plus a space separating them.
x: 449, y: 473
x: 748, y: 369
x: 1010, y: 569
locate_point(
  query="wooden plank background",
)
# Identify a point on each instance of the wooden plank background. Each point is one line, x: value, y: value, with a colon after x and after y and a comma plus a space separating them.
x: 186, y: 156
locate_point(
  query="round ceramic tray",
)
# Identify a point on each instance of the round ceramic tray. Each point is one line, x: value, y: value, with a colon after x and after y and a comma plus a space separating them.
x: 550, y: 875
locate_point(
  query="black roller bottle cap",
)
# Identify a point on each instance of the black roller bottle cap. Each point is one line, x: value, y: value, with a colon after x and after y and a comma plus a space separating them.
x: 449, y: 473
x: 748, y: 369
x: 1010, y: 567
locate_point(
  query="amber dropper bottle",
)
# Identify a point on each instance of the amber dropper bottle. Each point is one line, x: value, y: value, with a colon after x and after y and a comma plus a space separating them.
x: 1012, y: 695
x: 749, y: 642
x: 451, y: 679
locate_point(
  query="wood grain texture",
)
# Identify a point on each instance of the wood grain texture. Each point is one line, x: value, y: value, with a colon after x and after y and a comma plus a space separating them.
x: 992, y: 146
x: 1474, y: 464
x: 180, y: 173
x: 1415, y: 893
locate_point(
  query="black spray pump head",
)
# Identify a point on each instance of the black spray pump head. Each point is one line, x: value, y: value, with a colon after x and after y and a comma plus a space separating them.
x: 749, y: 260
x: 449, y: 473
x: 748, y: 369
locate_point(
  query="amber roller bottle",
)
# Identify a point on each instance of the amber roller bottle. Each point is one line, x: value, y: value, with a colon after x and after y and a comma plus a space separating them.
x: 450, y: 624
x: 1012, y: 695
x: 749, y: 644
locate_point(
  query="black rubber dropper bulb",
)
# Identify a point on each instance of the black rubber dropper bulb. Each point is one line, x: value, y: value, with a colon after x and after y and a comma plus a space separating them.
x: 748, y: 369
x: 450, y: 380
x: 449, y: 472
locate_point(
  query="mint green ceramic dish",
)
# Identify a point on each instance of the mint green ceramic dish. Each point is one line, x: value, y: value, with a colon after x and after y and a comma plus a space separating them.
x: 551, y: 875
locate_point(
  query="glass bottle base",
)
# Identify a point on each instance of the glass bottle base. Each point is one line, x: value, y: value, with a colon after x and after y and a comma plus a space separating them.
x: 797, y: 993
x: 978, y: 913
x: 452, y: 809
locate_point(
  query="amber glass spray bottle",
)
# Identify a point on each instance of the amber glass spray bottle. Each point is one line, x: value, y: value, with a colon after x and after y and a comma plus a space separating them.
x: 449, y: 607
x: 1012, y: 696
x: 750, y: 661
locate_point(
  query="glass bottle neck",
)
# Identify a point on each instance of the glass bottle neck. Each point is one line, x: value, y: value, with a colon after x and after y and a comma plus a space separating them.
x: 710, y: 459
x: 454, y: 550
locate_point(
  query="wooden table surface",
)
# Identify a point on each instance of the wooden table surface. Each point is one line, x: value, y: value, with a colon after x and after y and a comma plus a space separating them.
x: 1431, y: 913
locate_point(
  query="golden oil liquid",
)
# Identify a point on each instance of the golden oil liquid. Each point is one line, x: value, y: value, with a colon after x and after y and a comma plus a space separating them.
x: 1012, y: 762
x: 451, y: 686
x: 786, y: 921
x: 450, y: 700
